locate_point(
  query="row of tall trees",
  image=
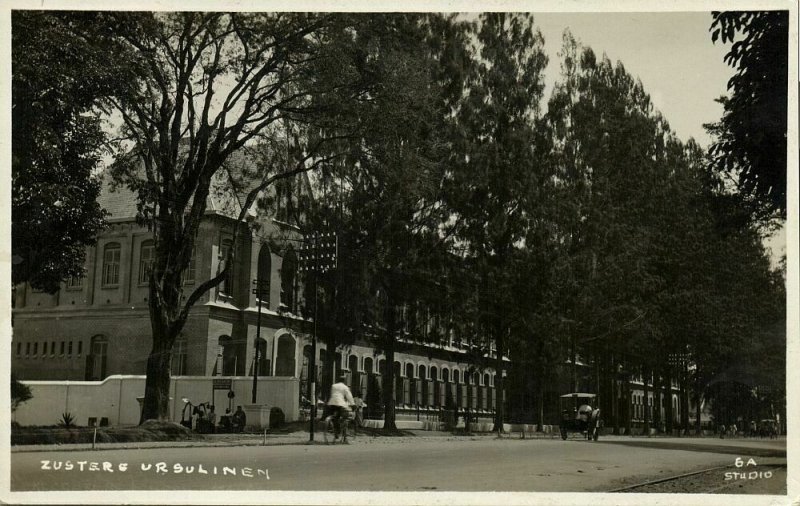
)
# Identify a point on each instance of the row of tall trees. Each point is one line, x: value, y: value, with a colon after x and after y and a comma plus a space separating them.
x: 534, y: 230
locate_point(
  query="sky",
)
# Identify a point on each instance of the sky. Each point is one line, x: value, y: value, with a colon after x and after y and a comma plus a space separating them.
x: 671, y: 52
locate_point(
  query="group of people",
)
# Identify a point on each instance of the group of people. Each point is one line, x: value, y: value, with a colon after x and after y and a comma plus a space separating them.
x: 204, y: 419
x: 763, y: 429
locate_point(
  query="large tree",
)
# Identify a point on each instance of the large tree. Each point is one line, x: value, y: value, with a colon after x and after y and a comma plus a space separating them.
x: 383, y: 197
x: 751, y: 136
x: 494, y: 177
x: 58, y: 75
x: 212, y: 84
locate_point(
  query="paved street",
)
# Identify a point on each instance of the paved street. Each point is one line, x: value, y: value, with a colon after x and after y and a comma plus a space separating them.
x: 396, y: 464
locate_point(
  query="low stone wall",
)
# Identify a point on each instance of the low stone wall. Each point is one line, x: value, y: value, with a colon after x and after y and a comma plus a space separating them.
x: 116, y: 398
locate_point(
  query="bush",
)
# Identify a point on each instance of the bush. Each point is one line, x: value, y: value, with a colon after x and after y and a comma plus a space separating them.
x: 149, y: 431
x: 276, y: 418
x: 19, y: 393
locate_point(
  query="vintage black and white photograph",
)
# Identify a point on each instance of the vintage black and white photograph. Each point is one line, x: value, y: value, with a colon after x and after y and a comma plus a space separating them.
x: 294, y: 254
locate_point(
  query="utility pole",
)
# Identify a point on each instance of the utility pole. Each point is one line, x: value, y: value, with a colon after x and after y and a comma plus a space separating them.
x: 261, y: 286
x: 319, y: 254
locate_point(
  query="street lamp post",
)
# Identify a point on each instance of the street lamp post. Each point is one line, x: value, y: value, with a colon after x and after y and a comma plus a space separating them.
x: 317, y: 255
x: 261, y: 286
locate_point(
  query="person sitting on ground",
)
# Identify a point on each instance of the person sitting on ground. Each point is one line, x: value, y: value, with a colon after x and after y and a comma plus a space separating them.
x: 239, y: 419
x: 339, y: 404
x: 225, y: 421
x: 212, y: 420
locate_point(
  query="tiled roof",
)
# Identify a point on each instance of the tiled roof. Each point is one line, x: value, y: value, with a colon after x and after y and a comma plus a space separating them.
x: 117, y: 199
x: 228, y: 191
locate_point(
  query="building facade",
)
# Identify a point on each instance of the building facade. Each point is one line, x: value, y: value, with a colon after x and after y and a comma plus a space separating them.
x: 98, y: 325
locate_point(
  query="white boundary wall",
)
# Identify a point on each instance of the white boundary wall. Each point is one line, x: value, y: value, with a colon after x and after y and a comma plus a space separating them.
x: 115, y: 398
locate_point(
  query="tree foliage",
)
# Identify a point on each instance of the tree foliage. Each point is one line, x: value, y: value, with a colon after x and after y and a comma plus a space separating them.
x: 20, y: 393
x: 58, y: 75
x: 751, y: 136
x: 383, y: 196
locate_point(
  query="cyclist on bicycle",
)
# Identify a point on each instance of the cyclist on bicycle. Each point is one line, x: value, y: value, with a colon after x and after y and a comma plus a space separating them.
x: 339, y: 402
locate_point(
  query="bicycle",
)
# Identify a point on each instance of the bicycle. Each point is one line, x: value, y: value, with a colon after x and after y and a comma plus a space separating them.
x: 330, y: 432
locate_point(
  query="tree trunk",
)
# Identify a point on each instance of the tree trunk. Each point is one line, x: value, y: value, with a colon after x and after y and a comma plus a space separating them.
x: 698, y: 426
x: 657, y: 415
x: 498, y: 382
x: 646, y: 401
x: 388, y: 382
x: 668, y: 413
x: 685, y: 401
x: 614, y: 395
x: 628, y: 417
x: 540, y: 396
x: 156, y: 389
x: 165, y: 327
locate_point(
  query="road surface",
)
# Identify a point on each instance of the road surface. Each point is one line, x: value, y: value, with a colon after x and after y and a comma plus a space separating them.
x: 388, y: 464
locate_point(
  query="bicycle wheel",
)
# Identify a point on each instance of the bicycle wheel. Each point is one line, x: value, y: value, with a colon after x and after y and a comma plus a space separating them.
x: 328, y: 430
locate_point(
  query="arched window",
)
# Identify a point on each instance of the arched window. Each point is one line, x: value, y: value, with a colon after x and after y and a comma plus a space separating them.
x: 445, y: 375
x: 434, y: 373
x: 289, y: 281
x: 264, y: 273
x: 262, y: 359
x: 285, y: 361
x: 146, y: 255
x: 111, y: 261
x: 456, y: 377
x: 422, y: 373
x: 179, y: 357
x: 411, y: 396
x: 337, y: 365
x: 368, y: 365
x: 306, y: 363
x: 486, y: 379
x: 226, y: 363
x: 96, y: 360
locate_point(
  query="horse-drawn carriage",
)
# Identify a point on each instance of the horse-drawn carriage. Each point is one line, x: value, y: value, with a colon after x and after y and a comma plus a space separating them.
x: 579, y: 415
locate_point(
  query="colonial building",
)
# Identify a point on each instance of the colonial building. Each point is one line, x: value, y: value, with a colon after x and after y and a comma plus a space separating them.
x: 98, y: 325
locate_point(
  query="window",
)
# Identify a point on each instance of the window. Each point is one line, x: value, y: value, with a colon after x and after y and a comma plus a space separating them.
x: 189, y: 273
x: 19, y: 349
x: 289, y: 281
x: 179, y: 357
x: 146, y: 255
x: 80, y: 348
x: 227, y: 284
x: 35, y: 349
x: 264, y: 273
x: 52, y: 348
x: 111, y: 260
x: 96, y: 360
x: 62, y: 348
x: 75, y: 283
x: 27, y: 349
x: 69, y: 349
